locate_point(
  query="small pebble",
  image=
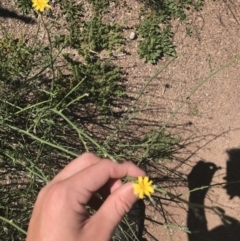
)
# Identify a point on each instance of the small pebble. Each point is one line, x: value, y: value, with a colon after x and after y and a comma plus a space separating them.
x: 132, y: 35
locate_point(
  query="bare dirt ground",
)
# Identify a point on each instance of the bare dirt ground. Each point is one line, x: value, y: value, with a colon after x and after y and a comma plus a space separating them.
x: 209, y: 124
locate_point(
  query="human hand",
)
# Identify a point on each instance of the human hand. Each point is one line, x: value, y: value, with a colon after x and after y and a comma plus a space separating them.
x: 60, y: 210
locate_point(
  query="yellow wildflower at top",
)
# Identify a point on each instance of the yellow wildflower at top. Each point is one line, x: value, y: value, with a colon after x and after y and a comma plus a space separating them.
x: 40, y: 5
x: 143, y: 187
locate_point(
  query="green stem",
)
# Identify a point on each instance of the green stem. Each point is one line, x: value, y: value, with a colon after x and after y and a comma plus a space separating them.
x: 81, y: 133
x: 13, y: 224
x: 177, y: 197
x: 43, y: 177
x: 43, y: 141
x: 17, y: 107
x: 51, y: 49
x: 78, y: 98
x: 32, y: 106
x: 73, y: 89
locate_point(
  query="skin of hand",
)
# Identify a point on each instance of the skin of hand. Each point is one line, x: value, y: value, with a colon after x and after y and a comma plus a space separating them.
x: 60, y: 210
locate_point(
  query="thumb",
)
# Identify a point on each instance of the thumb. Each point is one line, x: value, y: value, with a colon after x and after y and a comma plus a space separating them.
x: 106, y: 219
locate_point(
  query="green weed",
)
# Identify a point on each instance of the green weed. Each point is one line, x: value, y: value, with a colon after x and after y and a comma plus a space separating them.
x: 97, y: 36
x: 100, y: 6
x: 156, y: 42
x: 16, y: 58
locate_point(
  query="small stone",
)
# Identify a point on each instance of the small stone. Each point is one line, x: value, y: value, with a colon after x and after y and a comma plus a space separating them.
x: 132, y: 35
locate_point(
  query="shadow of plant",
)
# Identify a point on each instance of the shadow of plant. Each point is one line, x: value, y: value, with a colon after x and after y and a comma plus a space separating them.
x: 5, y: 13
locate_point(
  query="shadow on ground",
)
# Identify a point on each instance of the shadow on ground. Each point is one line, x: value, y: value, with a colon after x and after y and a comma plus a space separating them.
x: 201, y: 176
x: 199, y: 181
x: 5, y: 13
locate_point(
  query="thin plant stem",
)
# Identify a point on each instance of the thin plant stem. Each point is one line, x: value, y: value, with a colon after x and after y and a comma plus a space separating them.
x: 80, y: 132
x: 6, y: 102
x: 51, y: 49
x: 78, y: 98
x: 72, y: 90
x: 13, y: 224
x: 43, y: 141
x: 43, y: 177
x: 182, y: 200
x: 31, y: 106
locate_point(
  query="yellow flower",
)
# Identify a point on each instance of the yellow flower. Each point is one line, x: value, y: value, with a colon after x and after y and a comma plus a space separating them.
x: 40, y: 5
x: 143, y: 187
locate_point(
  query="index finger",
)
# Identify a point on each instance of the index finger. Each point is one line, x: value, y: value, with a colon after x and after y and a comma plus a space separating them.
x: 92, y: 178
x: 85, y: 160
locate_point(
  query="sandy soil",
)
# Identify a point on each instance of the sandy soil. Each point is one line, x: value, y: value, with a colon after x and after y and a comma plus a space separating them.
x: 209, y: 123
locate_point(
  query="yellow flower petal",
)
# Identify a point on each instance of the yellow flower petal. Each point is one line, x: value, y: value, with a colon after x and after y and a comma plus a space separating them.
x: 145, y: 180
x: 141, y: 195
x: 40, y: 5
x: 143, y: 187
x: 151, y: 190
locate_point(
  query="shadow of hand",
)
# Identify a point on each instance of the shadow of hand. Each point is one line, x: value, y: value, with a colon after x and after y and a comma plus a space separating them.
x: 201, y: 176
